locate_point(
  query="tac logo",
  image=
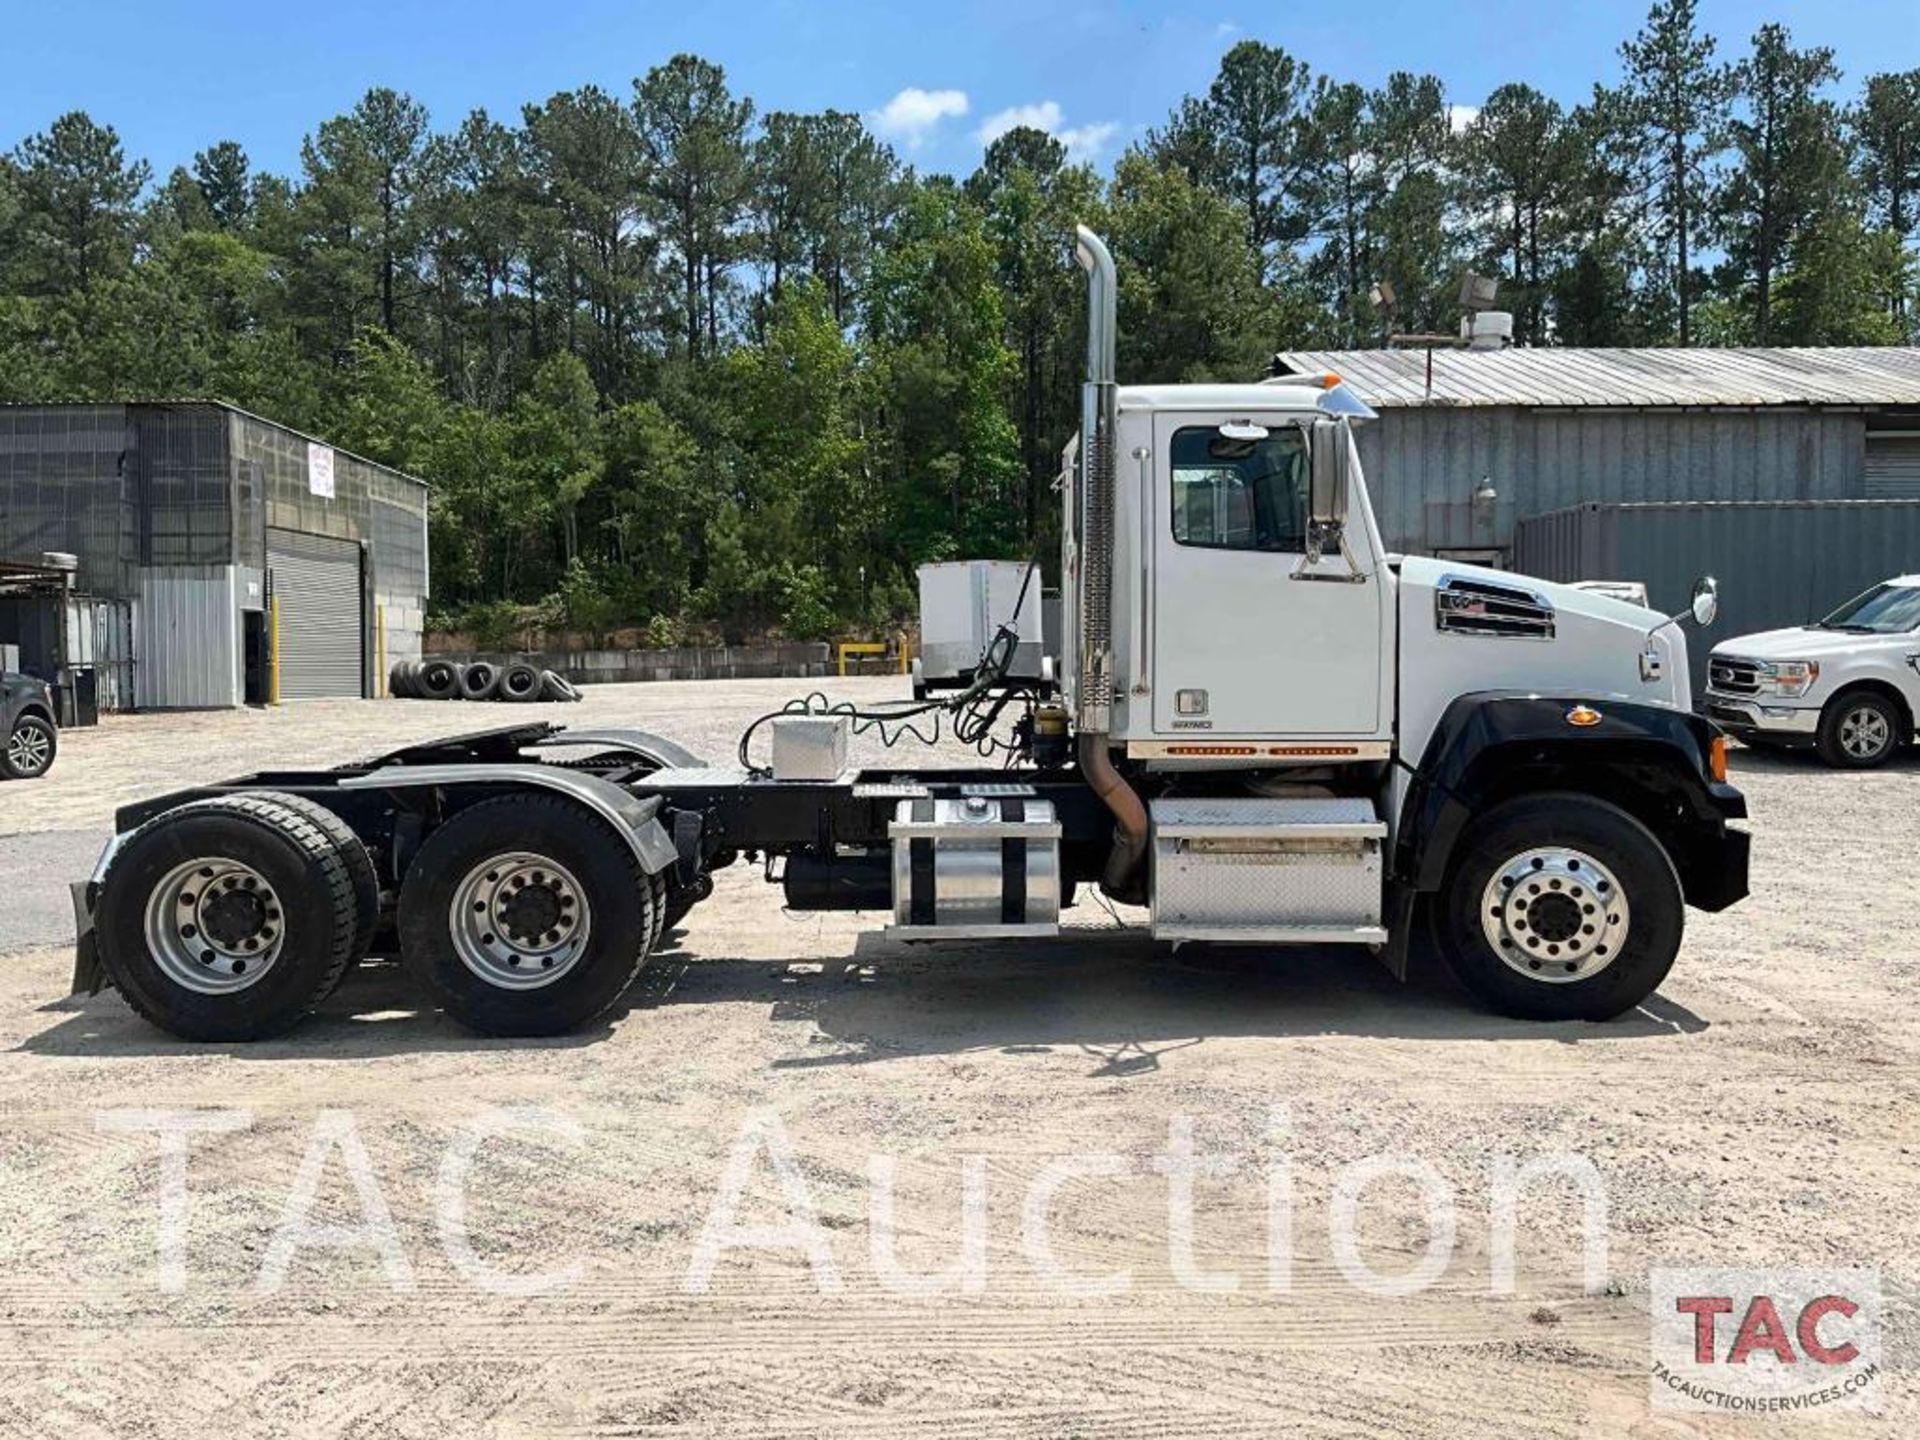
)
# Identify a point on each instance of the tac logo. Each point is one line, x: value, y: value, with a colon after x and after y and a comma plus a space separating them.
x: 1765, y: 1341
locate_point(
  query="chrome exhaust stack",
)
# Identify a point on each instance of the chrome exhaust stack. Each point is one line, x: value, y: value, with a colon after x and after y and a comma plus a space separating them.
x: 1095, y: 502
x: 1093, y: 583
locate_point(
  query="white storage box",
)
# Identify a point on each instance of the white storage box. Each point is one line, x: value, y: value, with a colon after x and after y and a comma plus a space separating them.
x: 809, y: 747
x: 963, y: 603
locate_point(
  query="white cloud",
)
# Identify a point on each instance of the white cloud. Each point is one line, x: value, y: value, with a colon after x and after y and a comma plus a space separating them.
x: 913, y: 114
x: 1046, y: 116
x: 1461, y: 116
x: 1224, y: 29
x: 1083, y: 142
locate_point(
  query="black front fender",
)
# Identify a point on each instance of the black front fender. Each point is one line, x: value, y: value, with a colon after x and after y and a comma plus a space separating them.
x: 1653, y: 762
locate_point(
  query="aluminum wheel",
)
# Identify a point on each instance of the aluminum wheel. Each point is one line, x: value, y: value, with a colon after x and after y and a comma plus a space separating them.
x: 214, y: 926
x: 1555, y: 915
x: 29, y: 749
x: 520, y: 921
x: 1865, y: 732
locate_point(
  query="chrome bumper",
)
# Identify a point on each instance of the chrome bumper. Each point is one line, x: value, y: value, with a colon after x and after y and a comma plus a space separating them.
x: 1738, y: 713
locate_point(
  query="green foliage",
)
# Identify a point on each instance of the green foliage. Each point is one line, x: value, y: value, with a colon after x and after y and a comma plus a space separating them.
x: 663, y: 362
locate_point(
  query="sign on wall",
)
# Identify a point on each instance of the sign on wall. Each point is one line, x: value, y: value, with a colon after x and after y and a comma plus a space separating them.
x: 320, y: 470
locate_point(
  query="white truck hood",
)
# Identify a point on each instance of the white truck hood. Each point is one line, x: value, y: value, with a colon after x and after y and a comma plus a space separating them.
x: 1595, y: 652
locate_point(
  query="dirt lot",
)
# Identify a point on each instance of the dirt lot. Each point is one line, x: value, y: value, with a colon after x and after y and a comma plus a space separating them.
x: 1762, y: 1110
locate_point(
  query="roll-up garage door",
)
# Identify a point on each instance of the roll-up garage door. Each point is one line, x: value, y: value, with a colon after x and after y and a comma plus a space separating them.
x: 1893, y: 466
x: 316, y: 584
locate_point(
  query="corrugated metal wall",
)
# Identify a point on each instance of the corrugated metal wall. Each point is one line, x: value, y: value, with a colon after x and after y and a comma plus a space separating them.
x: 1423, y: 464
x: 1778, y: 564
x: 186, y: 638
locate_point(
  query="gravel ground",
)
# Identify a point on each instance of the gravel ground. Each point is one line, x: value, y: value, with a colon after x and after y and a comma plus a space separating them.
x: 1760, y: 1111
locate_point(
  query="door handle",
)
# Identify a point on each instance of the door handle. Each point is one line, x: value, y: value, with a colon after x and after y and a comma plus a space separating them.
x: 1149, y: 537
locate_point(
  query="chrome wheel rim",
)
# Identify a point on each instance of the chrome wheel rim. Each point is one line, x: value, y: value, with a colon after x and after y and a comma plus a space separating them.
x: 1555, y: 915
x: 214, y: 926
x: 1865, y: 732
x: 29, y: 748
x: 520, y: 921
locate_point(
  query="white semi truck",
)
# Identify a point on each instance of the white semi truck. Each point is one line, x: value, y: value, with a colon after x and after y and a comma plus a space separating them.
x: 1253, y: 720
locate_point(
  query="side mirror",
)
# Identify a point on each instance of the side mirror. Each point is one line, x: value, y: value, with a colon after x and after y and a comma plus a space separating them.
x: 1706, y: 601
x: 1327, y: 490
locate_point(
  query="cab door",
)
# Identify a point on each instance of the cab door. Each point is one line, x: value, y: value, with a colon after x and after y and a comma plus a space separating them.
x: 1249, y: 640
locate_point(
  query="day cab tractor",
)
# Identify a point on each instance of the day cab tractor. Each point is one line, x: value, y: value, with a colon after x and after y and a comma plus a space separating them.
x: 1249, y: 719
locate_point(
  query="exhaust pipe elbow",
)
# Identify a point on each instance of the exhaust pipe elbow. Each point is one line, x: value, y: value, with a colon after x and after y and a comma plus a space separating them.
x: 1124, y: 875
x: 1102, y: 303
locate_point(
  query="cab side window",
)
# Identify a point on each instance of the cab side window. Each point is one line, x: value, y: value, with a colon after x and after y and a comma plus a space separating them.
x: 1239, y: 494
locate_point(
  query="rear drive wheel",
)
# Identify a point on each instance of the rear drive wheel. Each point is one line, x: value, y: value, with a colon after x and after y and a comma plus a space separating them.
x: 525, y: 915
x: 359, y: 863
x: 30, y: 748
x: 227, y: 919
x: 1561, y: 907
x: 1860, y: 731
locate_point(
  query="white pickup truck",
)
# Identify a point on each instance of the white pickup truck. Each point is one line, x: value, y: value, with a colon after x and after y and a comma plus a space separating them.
x: 1847, y: 686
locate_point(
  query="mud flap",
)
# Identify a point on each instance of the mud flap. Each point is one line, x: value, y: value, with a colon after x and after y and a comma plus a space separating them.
x: 1397, y: 907
x: 89, y: 975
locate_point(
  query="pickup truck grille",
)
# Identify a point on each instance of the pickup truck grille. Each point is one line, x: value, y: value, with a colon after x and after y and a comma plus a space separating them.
x: 1464, y: 606
x: 1733, y: 677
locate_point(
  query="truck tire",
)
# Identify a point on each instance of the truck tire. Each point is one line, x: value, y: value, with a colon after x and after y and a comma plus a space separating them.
x: 557, y: 688
x: 479, y: 681
x: 525, y: 915
x: 360, y: 867
x: 1860, y: 730
x: 1560, y: 907
x: 437, y: 680
x: 227, y: 919
x: 29, y: 749
x: 400, y: 680
x: 520, y: 682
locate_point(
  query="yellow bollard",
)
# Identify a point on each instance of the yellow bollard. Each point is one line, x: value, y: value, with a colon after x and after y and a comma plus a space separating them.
x: 273, y: 650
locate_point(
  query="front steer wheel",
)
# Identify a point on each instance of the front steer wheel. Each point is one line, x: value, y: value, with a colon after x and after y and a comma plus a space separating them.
x: 227, y: 919
x: 525, y: 915
x: 1560, y: 907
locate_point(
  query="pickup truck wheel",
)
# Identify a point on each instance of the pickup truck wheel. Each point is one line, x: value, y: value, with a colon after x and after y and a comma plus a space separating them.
x: 1860, y: 731
x: 226, y: 919
x: 1561, y: 907
x: 525, y: 916
x: 30, y: 748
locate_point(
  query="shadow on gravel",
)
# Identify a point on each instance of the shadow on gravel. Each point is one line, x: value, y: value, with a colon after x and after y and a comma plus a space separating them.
x: 1806, y: 762
x: 1116, y: 997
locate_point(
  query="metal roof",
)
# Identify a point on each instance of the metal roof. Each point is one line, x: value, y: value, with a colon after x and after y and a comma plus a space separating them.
x: 1858, y: 375
x: 190, y: 402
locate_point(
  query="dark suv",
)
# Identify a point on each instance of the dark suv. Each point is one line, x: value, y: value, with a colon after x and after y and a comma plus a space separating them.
x: 28, y: 736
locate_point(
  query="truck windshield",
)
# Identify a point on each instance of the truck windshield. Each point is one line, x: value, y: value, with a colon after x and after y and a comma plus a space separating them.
x: 1239, y: 494
x: 1883, y: 610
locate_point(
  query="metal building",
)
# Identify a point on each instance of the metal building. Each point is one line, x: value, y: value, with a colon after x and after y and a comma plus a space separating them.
x: 239, y: 559
x: 1779, y: 563
x: 1470, y: 443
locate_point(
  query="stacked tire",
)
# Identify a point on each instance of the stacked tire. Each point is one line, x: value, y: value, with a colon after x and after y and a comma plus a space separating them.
x: 517, y: 682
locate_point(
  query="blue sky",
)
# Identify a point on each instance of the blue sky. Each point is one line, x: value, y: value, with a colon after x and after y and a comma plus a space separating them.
x: 173, y: 77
